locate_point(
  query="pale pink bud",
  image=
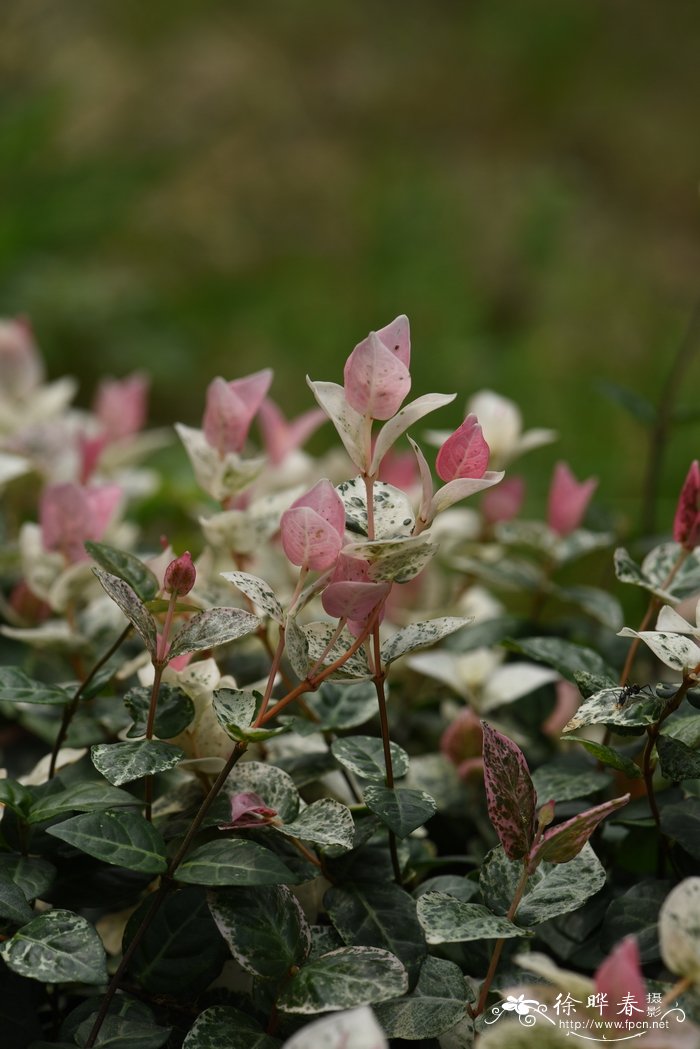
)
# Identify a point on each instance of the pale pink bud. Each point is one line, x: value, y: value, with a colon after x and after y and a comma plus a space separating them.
x: 620, y: 974
x: 121, y: 405
x: 21, y: 368
x: 686, y: 523
x: 465, y: 453
x: 503, y: 502
x: 462, y: 743
x: 70, y: 514
x: 230, y: 409
x: 180, y: 575
x: 313, y: 528
x: 248, y: 809
x: 568, y: 499
x: 281, y: 437
x: 376, y: 373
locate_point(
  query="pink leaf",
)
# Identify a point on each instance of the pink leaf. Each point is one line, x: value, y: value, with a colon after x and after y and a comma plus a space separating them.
x: 230, y: 409
x: 353, y: 601
x: 69, y: 514
x: 504, y: 502
x: 103, y: 503
x: 462, y: 743
x: 568, y: 499
x: 248, y: 810
x: 313, y: 528
x: 21, y: 367
x: 465, y: 453
x: 510, y: 795
x: 376, y: 379
x: 281, y: 437
x: 561, y: 843
x: 396, y: 336
x: 686, y: 523
x: 619, y: 977
x: 121, y: 405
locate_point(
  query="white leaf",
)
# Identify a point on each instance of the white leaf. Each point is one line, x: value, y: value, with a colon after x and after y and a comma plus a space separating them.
x: 346, y: 420
x: 679, y: 929
x: 404, y: 418
x: 675, y: 650
x: 461, y: 488
x: 260, y: 593
x: 353, y: 1029
x: 512, y: 681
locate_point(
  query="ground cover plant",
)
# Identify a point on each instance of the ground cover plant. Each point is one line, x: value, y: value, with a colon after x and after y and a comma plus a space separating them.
x: 366, y: 765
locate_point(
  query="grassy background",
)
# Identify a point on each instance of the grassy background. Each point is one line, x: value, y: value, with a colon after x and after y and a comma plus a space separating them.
x: 205, y: 188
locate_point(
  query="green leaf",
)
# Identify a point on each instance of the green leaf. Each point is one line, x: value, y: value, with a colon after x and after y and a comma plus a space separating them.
x: 608, y: 756
x: 636, y: 913
x: 121, y: 1032
x: 438, y: 1001
x: 213, y: 627
x: 319, y: 635
x: 274, y: 786
x: 679, y: 929
x: 13, y: 904
x: 401, y: 810
x: 234, y: 861
x: 181, y: 951
x: 125, y: 566
x: 32, y: 875
x: 86, y: 796
x: 565, y: 780
x: 447, y: 920
x: 264, y: 927
x: 259, y: 592
x: 16, y: 687
x: 175, y: 711
x: 339, y: 706
x: 638, y: 406
x: 553, y: 889
x: 565, y: 656
x: 461, y: 888
x: 678, y: 761
x: 124, y: 762
x: 15, y: 796
x: 324, y: 822
x: 223, y: 1027
x: 420, y: 635
x: 343, y: 979
x: 364, y: 755
x: 379, y: 915
x: 682, y: 822
x: 296, y: 647
x: 132, y: 607
x: 57, y: 947
x: 235, y: 711
x: 597, y: 603
x: 121, y: 838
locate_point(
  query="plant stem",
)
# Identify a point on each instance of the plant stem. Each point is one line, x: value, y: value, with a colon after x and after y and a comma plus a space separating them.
x: 498, y: 948
x: 150, y: 724
x: 70, y: 710
x: 379, y: 678
x: 276, y: 660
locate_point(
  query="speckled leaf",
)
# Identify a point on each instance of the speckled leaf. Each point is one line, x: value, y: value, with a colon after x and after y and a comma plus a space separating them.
x: 221, y: 477
x: 393, y: 513
x: 608, y: 756
x: 131, y: 605
x: 636, y: 913
x: 364, y: 755
x: 565, y: 656
x: 400, y: 809
x: 420, y: 635
x: 405, y: 417
x: 628, y: 571
x: 57, y: 947
x: 264, y: 927
x: 223, y: 1027
x: 597, y: 603
x: 343, y: 979
x: 438, y: 1001
x: 273, y: 785
x: 318, y: 636
x: 260, y: 593
x: 565, y: 780
x: 348, y: 422
x: 31, y: 874
x: 397, y: 560
x: 124, y: 762
x: 378, y: 915
x: 561, y: 843
x: 13, y: 903
x: 233, y: 706
x: 461, y: 488
x: 324, y: 822
x: 175, y: 711
x: 87, y: 796
x: 215, y: 626
x: 350, y: 1029
x: 234, y: 861
x: 610, y: 707
x: 678, y: 761
x: 125, y: 566
x: 122, y: 838
x: 446, y: 919
x: 674, y: 650
x: 341, y: 706
x: 510, y: 795
x: 121, y: 1032
x: 662, y: 560
x: 16, y: 687
x: 297, y: 648
x: 679, y: 929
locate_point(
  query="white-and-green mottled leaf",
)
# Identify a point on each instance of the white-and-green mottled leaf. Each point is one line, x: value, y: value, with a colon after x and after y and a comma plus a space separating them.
x: 446, y: 919
x: 605, y: 708
x: 223, y: 1027
x: 122, y: 838
x: 131, y: 605
x: 318, y: 636
x: 401, y: 810
x: 420, y: 635
x: 264, y: 927
x: 324, y: 822
x: 393, y: 513
x: 296, y: 647
x: 124, y: 762
x: 260, y: 593
x: 16, y: 687
x: 234, y: 861
x: 86, y: 796
x: 57, y: 947
x: 397, y: 560
x: 272, y: 784
x: 438, y: 1002
x: 364, y: 755
x: 215, y: 626
x: 344, y: 979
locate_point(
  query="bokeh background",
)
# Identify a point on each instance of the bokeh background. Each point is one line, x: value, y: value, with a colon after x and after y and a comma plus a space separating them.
x: 202, y: 188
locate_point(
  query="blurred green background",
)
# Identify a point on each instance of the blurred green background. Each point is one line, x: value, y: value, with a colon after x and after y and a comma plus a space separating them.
x: 202, y: 188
